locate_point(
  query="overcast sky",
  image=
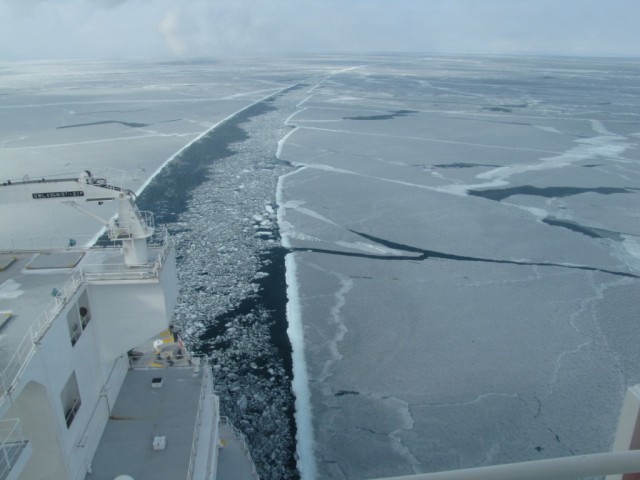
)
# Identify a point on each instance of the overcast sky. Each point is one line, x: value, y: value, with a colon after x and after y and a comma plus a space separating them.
x: 62, y: 29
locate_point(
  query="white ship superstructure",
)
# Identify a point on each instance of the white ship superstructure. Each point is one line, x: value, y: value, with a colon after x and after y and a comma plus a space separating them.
x: 93, y: 384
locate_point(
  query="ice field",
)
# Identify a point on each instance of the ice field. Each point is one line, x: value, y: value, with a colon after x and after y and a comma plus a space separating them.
x: 465, y: 236
x: 461, y: 238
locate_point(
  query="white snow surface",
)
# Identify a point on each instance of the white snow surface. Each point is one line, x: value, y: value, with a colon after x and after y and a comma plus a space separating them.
x: 10, y: 289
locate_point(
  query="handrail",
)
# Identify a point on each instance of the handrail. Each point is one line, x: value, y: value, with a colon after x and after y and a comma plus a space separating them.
x: 151, y: 361
x: 196, y: 434
x: 213, y: 461
x: 103, y: 172
x: 64, y: 243
x: 124, y: 272
x: 26, y: 347
x: 12, y: 442
x: 10, y: 431
x: 119, y: 231
x: 71, y: 414
x: 564, y: 468
x: 69, y: 243
x: 243, y: 444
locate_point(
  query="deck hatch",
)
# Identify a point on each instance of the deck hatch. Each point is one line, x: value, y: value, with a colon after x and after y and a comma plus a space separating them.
x: 55, y: 260
x: 6, y: 261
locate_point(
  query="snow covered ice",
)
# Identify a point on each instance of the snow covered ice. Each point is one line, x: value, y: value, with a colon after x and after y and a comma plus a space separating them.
x: 466, y: 276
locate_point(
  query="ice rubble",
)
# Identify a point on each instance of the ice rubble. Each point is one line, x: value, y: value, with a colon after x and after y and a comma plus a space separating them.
x: 229, y: 266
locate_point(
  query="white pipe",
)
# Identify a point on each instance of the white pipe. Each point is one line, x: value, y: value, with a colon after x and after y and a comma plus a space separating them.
x: 553, y: 469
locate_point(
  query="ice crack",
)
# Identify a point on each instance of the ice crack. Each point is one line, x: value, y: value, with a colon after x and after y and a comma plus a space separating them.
x: 416, y: 253
x: 345, y: 285
x: 477, y: 399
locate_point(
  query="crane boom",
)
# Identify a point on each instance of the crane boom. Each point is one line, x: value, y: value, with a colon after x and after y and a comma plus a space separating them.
x: 129, y: 226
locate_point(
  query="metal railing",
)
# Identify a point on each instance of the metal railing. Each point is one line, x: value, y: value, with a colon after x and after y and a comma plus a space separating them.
x: 579, y: 466
x: 12, y: 443
x: 114, y: 271
x: 48, y: 242
x: 73, y: 243
x: 60, y: 299
x: 204, y: 364
x: 120, y: 271
x: 26, y: 347
x: 117, y: 177
x: 243, y: 444
x: 163, y: 360
x: 123, y: 230
x: 72, y: 411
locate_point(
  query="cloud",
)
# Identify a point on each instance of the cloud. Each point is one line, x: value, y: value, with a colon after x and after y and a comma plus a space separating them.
x: 78, y: 29
x: 160, y: 28
x: 171, y: 30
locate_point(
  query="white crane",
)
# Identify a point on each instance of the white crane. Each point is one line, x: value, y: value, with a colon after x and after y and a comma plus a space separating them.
x: 129, y: 226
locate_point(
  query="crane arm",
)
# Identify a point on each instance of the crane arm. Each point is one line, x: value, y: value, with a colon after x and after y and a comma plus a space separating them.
x: 130, y: 226
x: 85, y: 188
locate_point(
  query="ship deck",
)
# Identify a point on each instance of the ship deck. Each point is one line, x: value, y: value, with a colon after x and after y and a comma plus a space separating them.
x: 143, y: 412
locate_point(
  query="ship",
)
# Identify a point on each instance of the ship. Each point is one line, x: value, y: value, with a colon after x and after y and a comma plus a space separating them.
x: 95, y: 382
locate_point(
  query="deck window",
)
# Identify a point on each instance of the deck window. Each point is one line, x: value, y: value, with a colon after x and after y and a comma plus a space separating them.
x: 70, y: 398
x: 75, y: 327
x: 84, y: 310
x: 78, y: 317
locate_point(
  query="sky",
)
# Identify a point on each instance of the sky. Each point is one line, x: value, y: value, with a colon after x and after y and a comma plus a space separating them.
x: 113, y: 29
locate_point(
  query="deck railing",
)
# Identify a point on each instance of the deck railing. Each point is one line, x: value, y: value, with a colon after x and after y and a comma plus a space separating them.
x: 579, y: 466
x: 203, y: 363
x: 224, y: 421
x: 120, y: 271
x: 164, y: 360
x: 49, y: 242
x: 119, y: 231
x: 12, y: 443
x: 26, y: 347
x: 72, y: 411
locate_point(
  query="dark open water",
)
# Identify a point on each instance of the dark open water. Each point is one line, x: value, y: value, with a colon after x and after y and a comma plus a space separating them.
x: 248, y: 343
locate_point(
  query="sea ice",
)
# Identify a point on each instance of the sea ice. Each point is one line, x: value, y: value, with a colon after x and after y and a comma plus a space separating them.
x: 443, y: 329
